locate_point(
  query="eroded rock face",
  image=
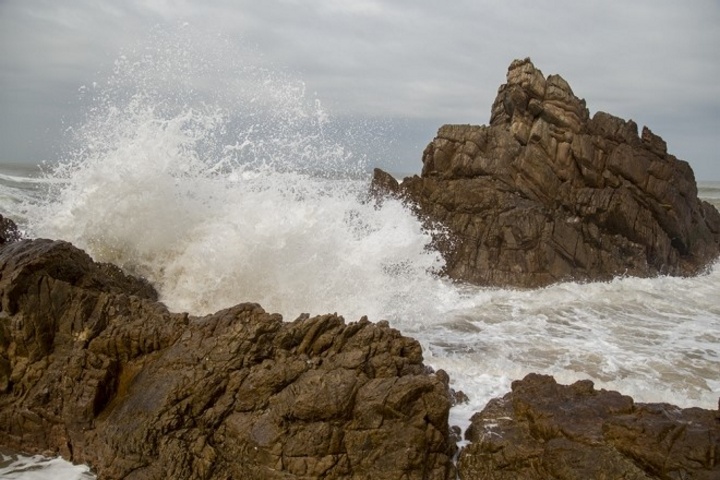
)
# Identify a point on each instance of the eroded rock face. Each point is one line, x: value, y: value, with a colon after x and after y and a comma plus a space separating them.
x: 92, y: 367
x: 546, y: 193
x: 544, y: 430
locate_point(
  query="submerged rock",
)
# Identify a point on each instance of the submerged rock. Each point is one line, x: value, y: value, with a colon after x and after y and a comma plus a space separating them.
x: 93, y: 368
x: 546, y: 193
x: 543, y: 430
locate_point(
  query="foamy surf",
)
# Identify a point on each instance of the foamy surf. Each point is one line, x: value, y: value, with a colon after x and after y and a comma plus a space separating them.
x: 653, y: 339
x: 37, y: 467
x: 217, y: 205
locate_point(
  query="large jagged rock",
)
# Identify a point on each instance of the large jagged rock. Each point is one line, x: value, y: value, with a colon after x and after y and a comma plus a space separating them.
x: 92, y: 367
x: 546, y: 193
x: 543, y: 430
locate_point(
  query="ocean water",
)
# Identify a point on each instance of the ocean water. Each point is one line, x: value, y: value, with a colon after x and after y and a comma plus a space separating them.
x: 248, y: 191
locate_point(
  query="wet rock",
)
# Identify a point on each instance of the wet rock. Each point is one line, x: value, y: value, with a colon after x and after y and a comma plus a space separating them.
x: 546, y: 430
x: 9, y: 231
x: 383, y: 183
x: 547, y: 193
x: 92, y: 367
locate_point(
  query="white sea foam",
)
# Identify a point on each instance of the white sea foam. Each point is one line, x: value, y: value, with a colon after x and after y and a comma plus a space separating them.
x: 37, y: 467
x: 246, y: 191
x: 653, y: 339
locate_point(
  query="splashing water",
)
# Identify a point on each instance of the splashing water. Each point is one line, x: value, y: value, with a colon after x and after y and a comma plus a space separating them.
x: 239, y: 192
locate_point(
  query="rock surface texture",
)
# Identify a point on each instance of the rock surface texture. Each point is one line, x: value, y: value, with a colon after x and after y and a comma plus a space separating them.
x: 546, y: 193
x: 92, y: 367
x: 543, y: 430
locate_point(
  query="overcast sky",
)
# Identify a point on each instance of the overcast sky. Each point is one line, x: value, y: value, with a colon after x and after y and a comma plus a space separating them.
x: 414, y: 64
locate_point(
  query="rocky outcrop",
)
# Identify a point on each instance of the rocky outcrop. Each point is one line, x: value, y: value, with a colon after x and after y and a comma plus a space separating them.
x: 547, y: 193
x: 92, y: 367
x: 543, y: 430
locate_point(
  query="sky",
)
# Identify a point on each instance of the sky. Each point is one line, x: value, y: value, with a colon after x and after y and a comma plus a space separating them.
x: 411, y: 65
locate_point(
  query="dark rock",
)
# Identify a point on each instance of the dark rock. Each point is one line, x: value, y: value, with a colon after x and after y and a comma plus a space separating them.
x: 9, y: 231
x: 383, y: 183
x: 546, y: 430
x: 458, y: 397
x: 92, y: 367
x: 546, y: 193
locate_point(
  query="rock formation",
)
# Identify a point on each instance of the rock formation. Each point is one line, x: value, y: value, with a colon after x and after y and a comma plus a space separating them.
x: 543, y: 430
x: 546, y: 193
x: 92, y: 367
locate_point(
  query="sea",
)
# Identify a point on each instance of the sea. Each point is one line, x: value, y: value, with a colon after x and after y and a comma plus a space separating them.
x: 224, y: 188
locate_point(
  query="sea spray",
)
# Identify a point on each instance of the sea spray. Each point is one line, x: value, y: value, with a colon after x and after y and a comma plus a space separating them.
x: 241, y: 190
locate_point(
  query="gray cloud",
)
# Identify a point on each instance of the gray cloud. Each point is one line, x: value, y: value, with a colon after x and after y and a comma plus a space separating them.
x: 416, y: 64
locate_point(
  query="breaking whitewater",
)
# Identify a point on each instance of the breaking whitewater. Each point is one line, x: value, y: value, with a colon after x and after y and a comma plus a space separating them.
x: 247, y: 191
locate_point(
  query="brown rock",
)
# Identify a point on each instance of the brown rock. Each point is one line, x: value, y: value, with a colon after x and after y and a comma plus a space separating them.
x: 545, y: 430
x: 546, y: 193
x: 92, y: 367
x: 384, y: 183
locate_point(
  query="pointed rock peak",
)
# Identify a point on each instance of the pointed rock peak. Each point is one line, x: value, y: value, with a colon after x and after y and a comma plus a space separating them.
x: 654, y: 142
x: 530, y: 78
x: 528, y: 96
x: 524, y: 74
